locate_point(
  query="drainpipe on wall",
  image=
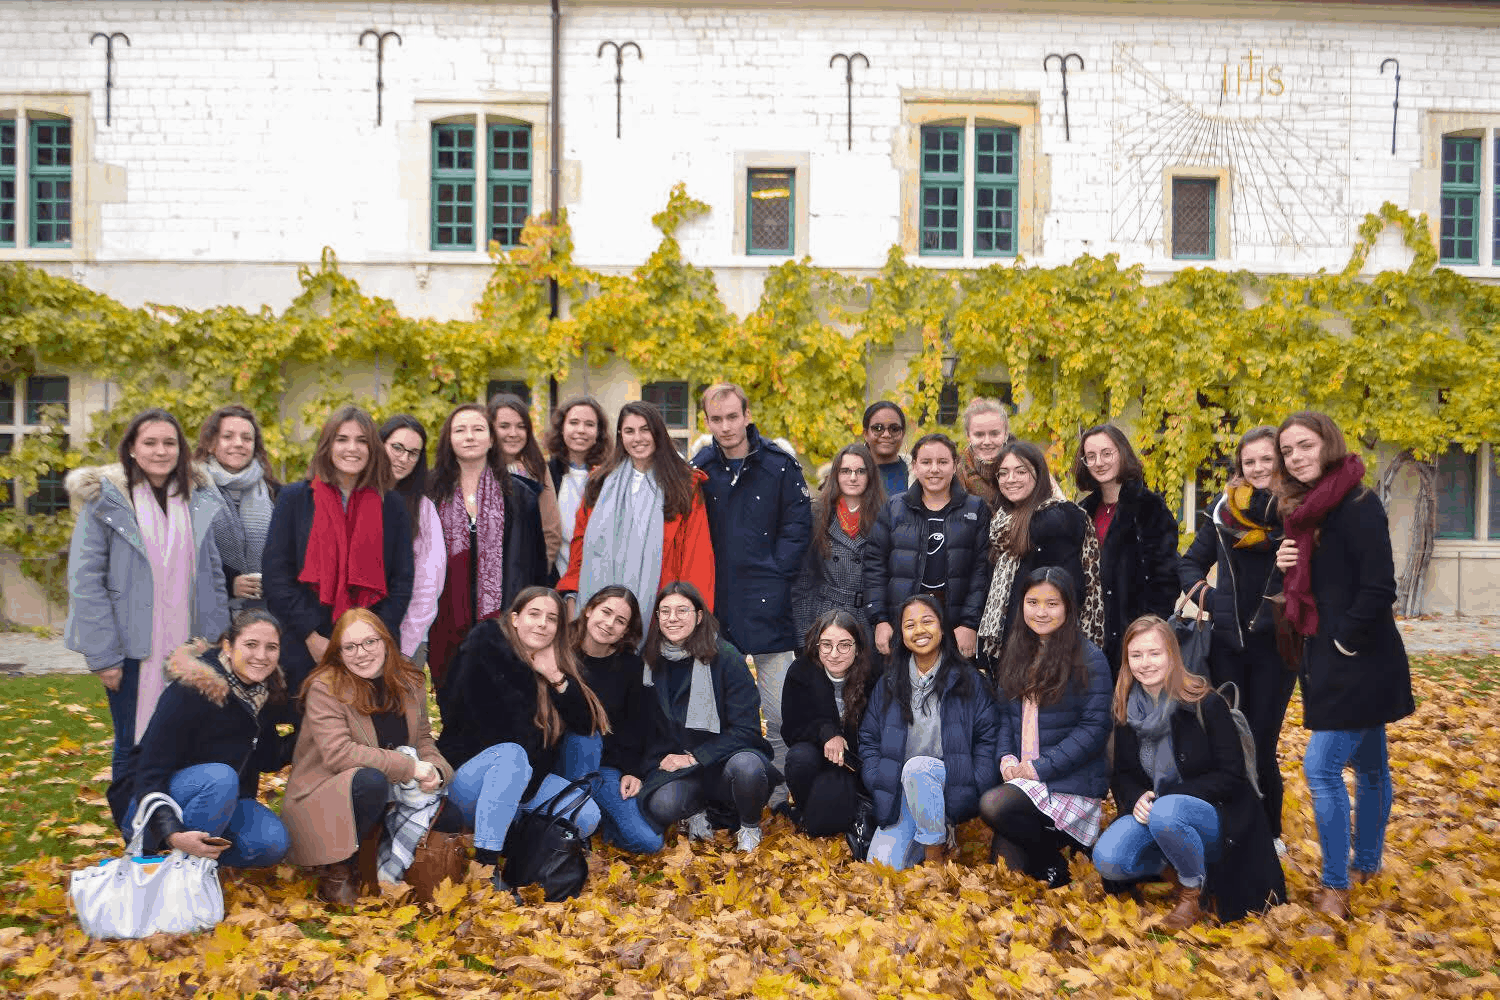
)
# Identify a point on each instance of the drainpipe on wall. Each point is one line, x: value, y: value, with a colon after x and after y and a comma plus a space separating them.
x: 555, y: 187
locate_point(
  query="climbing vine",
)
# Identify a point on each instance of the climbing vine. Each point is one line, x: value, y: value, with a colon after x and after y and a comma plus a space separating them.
x: 1403, y: 359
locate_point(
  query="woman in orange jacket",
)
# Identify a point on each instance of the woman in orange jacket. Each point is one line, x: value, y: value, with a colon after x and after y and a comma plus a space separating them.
x: 642, y: 522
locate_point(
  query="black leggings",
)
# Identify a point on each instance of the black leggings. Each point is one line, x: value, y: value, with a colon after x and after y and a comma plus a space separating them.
x: 1265, y: 687
x: 1026, y: 837
x: 742, y: 782
x: 825, y: 793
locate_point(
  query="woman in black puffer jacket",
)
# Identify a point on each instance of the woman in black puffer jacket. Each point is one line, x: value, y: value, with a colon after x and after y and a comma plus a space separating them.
x: 933, y: 539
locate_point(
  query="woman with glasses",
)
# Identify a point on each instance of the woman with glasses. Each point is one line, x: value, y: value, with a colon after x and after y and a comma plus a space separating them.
x: 884, y: 431
x: 405, y: 442
x: 832, y: 576
x: 821, y: 708
x: 1034, y: 527
x: 707, y: 745
x: 1137, y: 534
x: 364, y: 730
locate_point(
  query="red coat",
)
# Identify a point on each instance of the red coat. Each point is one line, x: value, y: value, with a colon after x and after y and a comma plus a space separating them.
x: 687, y: 551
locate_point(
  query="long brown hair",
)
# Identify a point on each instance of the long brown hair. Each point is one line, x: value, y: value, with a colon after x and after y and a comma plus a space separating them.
x: 703, y: 644
x: 1044, y: 671
x: 209, y: 433
x: 1290, y: 491
x: 673, y: 474
x: 825, y: 508
x: 1179, y: 683
x: 1131, y: 469
x: 376, y: 474
x: 182, y: 475
x: 531, y: 456
x: 1017, y: 540
x: 546, y: 719
x: 238, y: 623
x: 632, y: 637
x: 404, y: 683
x: 857, y: 680
x: 558, y: 448
x: 442, y: 483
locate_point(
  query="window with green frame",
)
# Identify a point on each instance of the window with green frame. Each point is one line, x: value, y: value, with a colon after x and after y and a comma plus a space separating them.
x: 1194, y: 211
x: 941, y: 177
x: 1495, y: 207
x: 1458, y: 231
x: 1456, y: 489
x: 50, y: 176
x: 770, y: 211
x: 948, y: 177
x: 7, y: 182
x: 456, y: 183
x: 997, y: 188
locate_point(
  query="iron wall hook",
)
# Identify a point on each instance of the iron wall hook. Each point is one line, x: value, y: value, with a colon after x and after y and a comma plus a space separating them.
x: 849, y: 87
x: 619, y: 71
x: 1062, y: 64
x: 109, y: 69
x: 380, y: 40
x: 1396, y: 104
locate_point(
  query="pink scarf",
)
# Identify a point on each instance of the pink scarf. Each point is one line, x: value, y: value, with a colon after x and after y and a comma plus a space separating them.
x: 489, y: 574
x: 168, y: 539
x: 1301, y: 527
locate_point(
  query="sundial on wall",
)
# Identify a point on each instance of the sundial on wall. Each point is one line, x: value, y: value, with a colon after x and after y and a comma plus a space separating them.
x: 1276, y: 115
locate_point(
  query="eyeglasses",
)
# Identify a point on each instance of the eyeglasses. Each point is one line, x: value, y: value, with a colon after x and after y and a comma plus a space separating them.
x: 858, y: 472
x: 402, y: 451
x: 842, y: 646
x: 880, y: 430
x: 1100, y: 457
x: 672, y: 614
x: 369, y: 645
x: 1006, y: 475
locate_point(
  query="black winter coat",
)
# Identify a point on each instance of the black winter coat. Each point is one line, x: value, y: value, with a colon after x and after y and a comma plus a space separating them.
x: 296, y: 605
x: 1354, y: 584
x: 1137, y: 562
x: 760, y: 521
x: 809, y: 712
x: 896, y: 555
x: 1072, y: 733
x: 971, y: 735
x: 738, y: 702
x: 490, y: 698
x: 1057, y: 533
x: 1241, y: 586
x: 616, y: 682
x: 1211, y: 766
x: 832, y: 582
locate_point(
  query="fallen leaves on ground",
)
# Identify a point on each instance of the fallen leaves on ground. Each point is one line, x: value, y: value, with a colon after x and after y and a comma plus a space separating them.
x: 796, y: 919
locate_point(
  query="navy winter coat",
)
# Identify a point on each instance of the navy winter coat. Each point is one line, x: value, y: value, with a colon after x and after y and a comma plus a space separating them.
x: 760, y: 520
x: 1354, y: 583
x: 1072, y: 733
x: 896, y: 555
x: 1238, y: 593
x: 971, y: 732
x: 1137, y: 562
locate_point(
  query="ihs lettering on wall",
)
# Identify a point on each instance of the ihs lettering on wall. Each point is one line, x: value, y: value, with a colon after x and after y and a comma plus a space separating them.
x: 1250, y: 77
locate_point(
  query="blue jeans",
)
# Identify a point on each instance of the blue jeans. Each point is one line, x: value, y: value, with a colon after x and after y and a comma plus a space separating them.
x: 488, y: 790
x: 1329, y: 751
x: 622, y: 822
x: 1182, y: 830
x: 209, y: 796
x: 923, y: 820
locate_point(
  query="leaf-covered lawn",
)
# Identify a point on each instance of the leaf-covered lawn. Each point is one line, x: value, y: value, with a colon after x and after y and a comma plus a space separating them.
x: 793, y: 919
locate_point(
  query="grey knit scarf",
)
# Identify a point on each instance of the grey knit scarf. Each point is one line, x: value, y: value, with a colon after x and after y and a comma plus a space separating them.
x: 703, y: 708
x: 1151, y: 718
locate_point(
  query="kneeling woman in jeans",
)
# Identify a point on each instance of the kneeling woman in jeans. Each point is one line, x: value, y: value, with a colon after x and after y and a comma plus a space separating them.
x: 927, y: 743
x: 512, y: 691
x: 364, y: 728
x: 200, y: 748
x: 1180, y: 770
x: 707, y: 742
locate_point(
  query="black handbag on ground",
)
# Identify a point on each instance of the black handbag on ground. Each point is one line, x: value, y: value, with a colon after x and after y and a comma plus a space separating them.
x: 862, y: 829
x: 545, y: 847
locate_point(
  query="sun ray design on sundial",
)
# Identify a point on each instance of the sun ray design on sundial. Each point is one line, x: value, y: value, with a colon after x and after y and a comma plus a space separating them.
x: 1281, y: 128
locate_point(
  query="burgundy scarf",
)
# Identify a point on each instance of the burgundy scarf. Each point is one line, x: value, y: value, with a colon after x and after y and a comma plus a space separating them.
x: 489, y: 574
x: 345, y: 558
x: 1301, y: 527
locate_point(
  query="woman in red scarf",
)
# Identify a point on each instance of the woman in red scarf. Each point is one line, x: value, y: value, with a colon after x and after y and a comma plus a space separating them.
x: 492, y: 530
x: 1340, y: 585
x: 339, y: 539
x: 832, y: 577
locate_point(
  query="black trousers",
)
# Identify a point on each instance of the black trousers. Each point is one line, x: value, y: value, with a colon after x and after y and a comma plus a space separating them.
x: 825, y: 794
x: 1265, y: 686
x: 1025, y: 836
x: 743, y: 783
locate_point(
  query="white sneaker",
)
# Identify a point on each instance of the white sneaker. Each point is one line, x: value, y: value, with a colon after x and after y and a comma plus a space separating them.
x: 1280, y: 848
x: 748, y: 839
x: 697, y: 827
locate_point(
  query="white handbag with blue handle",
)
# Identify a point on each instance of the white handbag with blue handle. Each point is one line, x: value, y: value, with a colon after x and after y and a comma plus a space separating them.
x: 132, y: 896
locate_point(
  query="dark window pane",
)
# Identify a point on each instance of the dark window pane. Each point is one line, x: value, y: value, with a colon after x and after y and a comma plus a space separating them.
x: 1495, y: 493
x: 770, y: 210
x: 45, y: 390
x: 7, y: 402
x: 514, y: 386
x: 1456, y: 491
x: 671, y: 398
x: 948, y: 403
x: 1458, y: 224
x: 1193, y: 218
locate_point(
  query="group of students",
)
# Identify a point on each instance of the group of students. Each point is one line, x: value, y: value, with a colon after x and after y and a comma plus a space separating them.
x: 939, y: 635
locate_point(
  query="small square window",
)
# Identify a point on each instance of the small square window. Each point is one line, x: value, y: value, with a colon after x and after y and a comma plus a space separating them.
x: 771, y: 211
x: 1194, y: 206
x: 671, y: 398
x: 45, y: 390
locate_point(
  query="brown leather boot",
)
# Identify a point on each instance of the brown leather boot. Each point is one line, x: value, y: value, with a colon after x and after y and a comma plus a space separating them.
x: 1187, y: 912
x: 338, y: 884
x: 936, y: 853
x: 1332, y: 903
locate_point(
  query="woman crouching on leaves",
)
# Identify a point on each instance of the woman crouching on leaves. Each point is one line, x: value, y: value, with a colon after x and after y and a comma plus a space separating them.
x: 200, y: 746
x: 821, y: 708
x: 1180, y: 770
x: 707, y: 743
x: 927, y: 742
x: 1054, y: 722
x: 364, y: 729
x: 513, y: 690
